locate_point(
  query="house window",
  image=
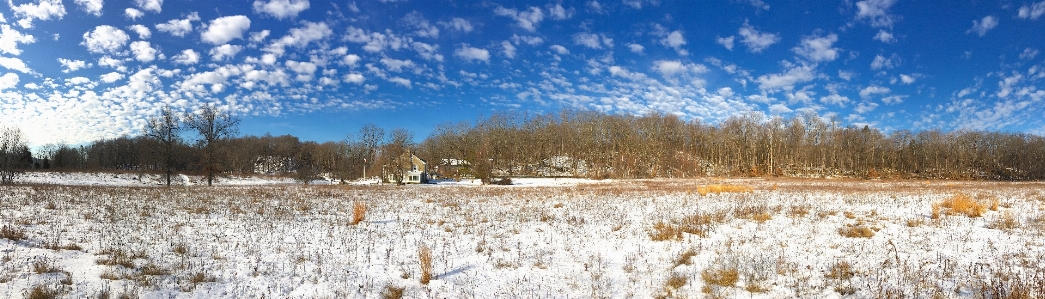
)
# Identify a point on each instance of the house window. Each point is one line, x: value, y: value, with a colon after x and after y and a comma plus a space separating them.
x: 415, y: 178
x: 414, y: 167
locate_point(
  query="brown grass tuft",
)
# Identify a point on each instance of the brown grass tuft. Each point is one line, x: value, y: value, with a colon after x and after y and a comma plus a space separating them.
x: 665, y: 232
x: 717, y: 189
x: 725, y: 277
x: 12, y: 233
x: 392, y: 292
x: 42, y: 292
x: 358, y: 212
x: 961, y: 204
x: 858, y: 230
x: 424, y: 256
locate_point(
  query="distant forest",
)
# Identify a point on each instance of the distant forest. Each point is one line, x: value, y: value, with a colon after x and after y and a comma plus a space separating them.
x: 585, y: 144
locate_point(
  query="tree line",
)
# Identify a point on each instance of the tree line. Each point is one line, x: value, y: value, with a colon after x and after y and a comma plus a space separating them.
x: 569, y: 143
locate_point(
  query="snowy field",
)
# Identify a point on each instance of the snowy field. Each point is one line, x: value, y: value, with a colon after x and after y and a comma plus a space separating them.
x: 544, y: 238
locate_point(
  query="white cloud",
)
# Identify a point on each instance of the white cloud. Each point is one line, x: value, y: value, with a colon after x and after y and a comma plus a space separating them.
x: 726, y: 42
x: 223, y: 52
x: 844, y: 75
x: 111, y: 77
x: 779, y: 109
x: 1032, y: 11
x: 759, y: 4
x: 188, y: 56
x: 354, y: 78
x: 10, y: 38
x: 869, y: 91
x: 817, y: 48
x: 16, y: 64
x: 881, y: 62
x: 224, y: 29
x: 153, y: 5
x: 560, y: 49
x: 835, y: 99
x: 8, y: 80
x: 875, y: 11
x: 982, y: 26
x: 636, y: 48
x: 865, y: 107
x: 401, y: 81
x: 559, y: 13
x: 114, y: 63
x: 305, y: 70
x: 1028, y: 53
x: 133, y: 14
x: 469, y: 53
x: 260, y: 36
x: 788, y: 79
x: 458, y: 24
x: 671, y: 68
x: 143, y: 51
x: 906, y: 79
x: 142, y: 31
x: 885, y: 37
x: 350, y: 59
x: 591, y: 40
x: 397, y: 65
x: 281, y: 9
x: 299, y: 37
x: 105, y: 39
x: 894, y: 99
x: 41, y: 10
x: 528, y: 19
x: 675, y: 40
x: 69, y: 65
x: 93, y: 7
x: 508, y: 49
x: 756, y: 41
x: 179, y: 27
x: 529, y: 40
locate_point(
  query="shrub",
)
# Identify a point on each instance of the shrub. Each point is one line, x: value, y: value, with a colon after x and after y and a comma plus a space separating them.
x: 12, y: 233
x: 392, y: 292
x: 964, y: 205
x: 42, y: 292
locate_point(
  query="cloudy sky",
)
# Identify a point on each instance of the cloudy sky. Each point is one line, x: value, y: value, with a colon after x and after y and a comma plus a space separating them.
x: 80, y: 70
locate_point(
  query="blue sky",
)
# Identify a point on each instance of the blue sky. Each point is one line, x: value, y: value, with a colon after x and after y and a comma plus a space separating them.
x: 74, y: 71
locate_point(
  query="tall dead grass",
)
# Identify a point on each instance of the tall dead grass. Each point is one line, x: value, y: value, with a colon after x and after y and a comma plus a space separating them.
x: 959, y: 204
x: 718, y: 189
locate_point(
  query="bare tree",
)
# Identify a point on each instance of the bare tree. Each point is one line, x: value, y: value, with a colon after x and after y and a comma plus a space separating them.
x: 214, y: 128
x: 165, y: 129
x: 369, y: 137
x: 12, y: 154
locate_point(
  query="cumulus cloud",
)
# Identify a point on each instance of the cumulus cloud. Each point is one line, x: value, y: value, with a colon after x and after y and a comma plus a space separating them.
x: 787, y: 80
x: 153, y: 5
x: 350, y: 59
x: 835, y: 99
x: 143, y: 51
x: 142, y: 31
x: 401, y: 81
x: 132, y: 13
x: 1028, y: 54
x: 69, y: 65
x: 865, y: 107
x: 906, y: 79
x: 756, y: 41
x: 675, y: 40
x: 10, y: 38
x: 560, y: 49
x: 458, y: 24
x: 179, y: 27
x: 8, y: 81
x: 636, y: 48
x: 281, y: 9
x: 726, y: 42
x: 880, y: 62
x: 527, y: 19
x: 817, y: 48
x: 105, y: 39
x: 671, y: 68
x: 778, y: 109
x: 508, y: 49
x: 354, y: 78
x: 223, y: 52
x: 591, y: 40
x: 1033, y: 11
x: 93, y: 7
x: 187, y: 56
x: 885, y: 37
x: 111, y: 77
x: 981, y: 27
x: 876, y: 12
x: 559, y: 13
x: 872, y: 90
x: 13, y: 63
x: 41, y: 10
x: 467, y: 52
x: 224, y: 29
x: 300, y: 37
x: 529, y: 40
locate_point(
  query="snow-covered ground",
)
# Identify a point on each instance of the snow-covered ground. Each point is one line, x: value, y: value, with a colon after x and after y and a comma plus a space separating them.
x: 585, y: 239
x: 141, y: 179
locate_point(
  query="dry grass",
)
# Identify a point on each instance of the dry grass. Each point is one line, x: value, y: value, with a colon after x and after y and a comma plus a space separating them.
x: 961, y: 204
x: 1006, y: 220
x: 424, y: 256
x: 718, y: 189
x: 392, y: 292
x: 684, y: 259
x: 42, y: 292
x: 858, y: 230
x: 13, y: 233
x: 358, y: 212
x: 699, y: 224
x: 665, y: 232
x: 723, y: 277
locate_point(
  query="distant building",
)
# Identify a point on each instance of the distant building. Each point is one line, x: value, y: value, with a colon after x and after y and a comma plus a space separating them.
x: 409, y: 168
